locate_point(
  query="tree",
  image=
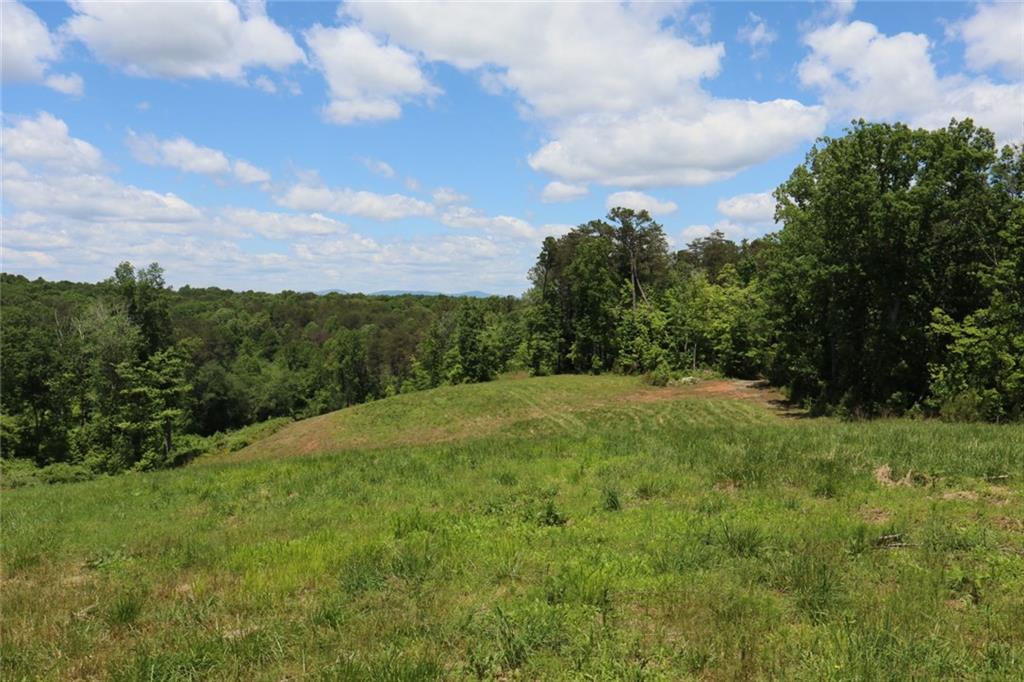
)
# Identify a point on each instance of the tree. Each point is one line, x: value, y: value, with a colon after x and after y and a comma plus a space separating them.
x: 593, y: 299
x: 711, y: 253
x: 880, y: 227
x: 142, y: 294
x: 641, y: 248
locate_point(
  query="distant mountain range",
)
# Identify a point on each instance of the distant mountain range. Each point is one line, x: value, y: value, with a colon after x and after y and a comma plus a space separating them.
x: 407, y: 292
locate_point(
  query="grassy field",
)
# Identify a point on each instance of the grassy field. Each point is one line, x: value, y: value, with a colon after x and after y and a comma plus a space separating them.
x: 556, y: 528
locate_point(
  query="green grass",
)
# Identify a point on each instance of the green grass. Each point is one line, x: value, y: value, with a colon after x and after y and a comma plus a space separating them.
x: 578, y: 528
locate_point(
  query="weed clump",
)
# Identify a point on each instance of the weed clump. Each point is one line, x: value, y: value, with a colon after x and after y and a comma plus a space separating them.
x: 610, y: 500
x: 550, y: 516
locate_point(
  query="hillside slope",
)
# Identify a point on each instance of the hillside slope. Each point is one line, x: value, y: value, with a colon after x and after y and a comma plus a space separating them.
x: 558, y: 528
x: 454, y: 413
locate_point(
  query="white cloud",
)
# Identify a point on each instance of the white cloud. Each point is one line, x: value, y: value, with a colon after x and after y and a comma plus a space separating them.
x: 185, y: 155
x: 367, y: 80
x: 178, y: 152
x: 863, y: 72
x: 27, y: 49
x: 705, y: 141
x: 557, y: 192
x: 563, y: 59
x: 471, y: 218
x: 701, y: 23
x: 736, y: 232
x: 247, y: 173
x: 45, y: 141
x: 448, y: 195
x: 377, y: 167
x: 757, y: 34
x: 19, y: 259
x: 263, y: 83
x: 500, y: 227
x: 615, y: 85
x: 67, y: 84
x: 749, y: 208
x: 994, y: 38
x: 305, y: 196
x: 638, y: 201
x: 89, y: 197
x: 182, y: 39
x: 273, y: 225
x: 49, y: 172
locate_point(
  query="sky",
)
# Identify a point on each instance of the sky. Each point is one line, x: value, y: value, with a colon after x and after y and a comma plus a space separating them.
x: 369, y: 146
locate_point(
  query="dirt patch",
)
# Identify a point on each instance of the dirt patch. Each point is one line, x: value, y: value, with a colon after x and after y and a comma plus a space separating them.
x: 883, y: 475
x: 998, y: 495
x: 727, y: 487
x: 720, y: 389
x: 959, y: 495
x: 875, y: 515
x: 1011, y: 524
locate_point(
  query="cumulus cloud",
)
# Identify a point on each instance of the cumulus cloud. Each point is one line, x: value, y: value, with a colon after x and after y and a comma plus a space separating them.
x: 709, y: 140
x: 994, y: 38
x: 501, y: 227
x: 68, y: 84
x: 275, y: 225
x: 757, y: 34
x: 749, y: 208
x: 557, y: 192
x: 247, y: 173
x: 46, y: 141
x: 448, y: 195
x: 747, y: 216
x: 263, y: 83
x: 185, y: 155
x: 638, y: 201
x: 179, y: 152
x: 377, y: 167
x: 471, y: 218
x: 861, y: 71
x: 308, y: 196
x: 367, y: 79
x: 618, y: 90
x: 28, y: 49
x: 182, y: 39
x: 734, y: 231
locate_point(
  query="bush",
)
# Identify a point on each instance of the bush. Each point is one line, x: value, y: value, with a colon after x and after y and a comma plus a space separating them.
x: 17, y: 473
x: 62, y: 472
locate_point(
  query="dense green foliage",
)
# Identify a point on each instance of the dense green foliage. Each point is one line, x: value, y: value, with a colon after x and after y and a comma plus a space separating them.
x: 897, y: 277
x: 568, y: 527
x: 109, y: 376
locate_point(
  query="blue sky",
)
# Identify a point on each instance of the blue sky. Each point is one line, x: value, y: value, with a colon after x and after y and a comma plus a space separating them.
x: 368, y: 146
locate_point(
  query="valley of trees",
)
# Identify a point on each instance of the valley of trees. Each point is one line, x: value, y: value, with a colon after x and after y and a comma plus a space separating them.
x: 895, y: 283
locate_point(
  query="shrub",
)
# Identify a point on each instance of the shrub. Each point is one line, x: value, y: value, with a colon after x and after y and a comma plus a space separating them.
x: 62, y: 472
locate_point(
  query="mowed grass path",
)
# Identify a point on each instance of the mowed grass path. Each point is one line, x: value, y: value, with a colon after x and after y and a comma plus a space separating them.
x: 557, y: 528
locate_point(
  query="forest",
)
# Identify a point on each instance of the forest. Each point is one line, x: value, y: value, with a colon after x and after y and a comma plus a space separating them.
x: 894, y: 285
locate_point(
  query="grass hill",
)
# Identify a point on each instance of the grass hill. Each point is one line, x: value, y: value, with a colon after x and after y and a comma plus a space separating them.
x: 563, y: 527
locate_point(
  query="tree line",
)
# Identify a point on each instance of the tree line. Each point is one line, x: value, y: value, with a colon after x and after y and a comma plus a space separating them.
x: 894, y: 283
x: 112, y: 375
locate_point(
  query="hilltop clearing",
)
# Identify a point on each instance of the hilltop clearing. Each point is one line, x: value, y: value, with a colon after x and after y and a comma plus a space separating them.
x: 455, y: 413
